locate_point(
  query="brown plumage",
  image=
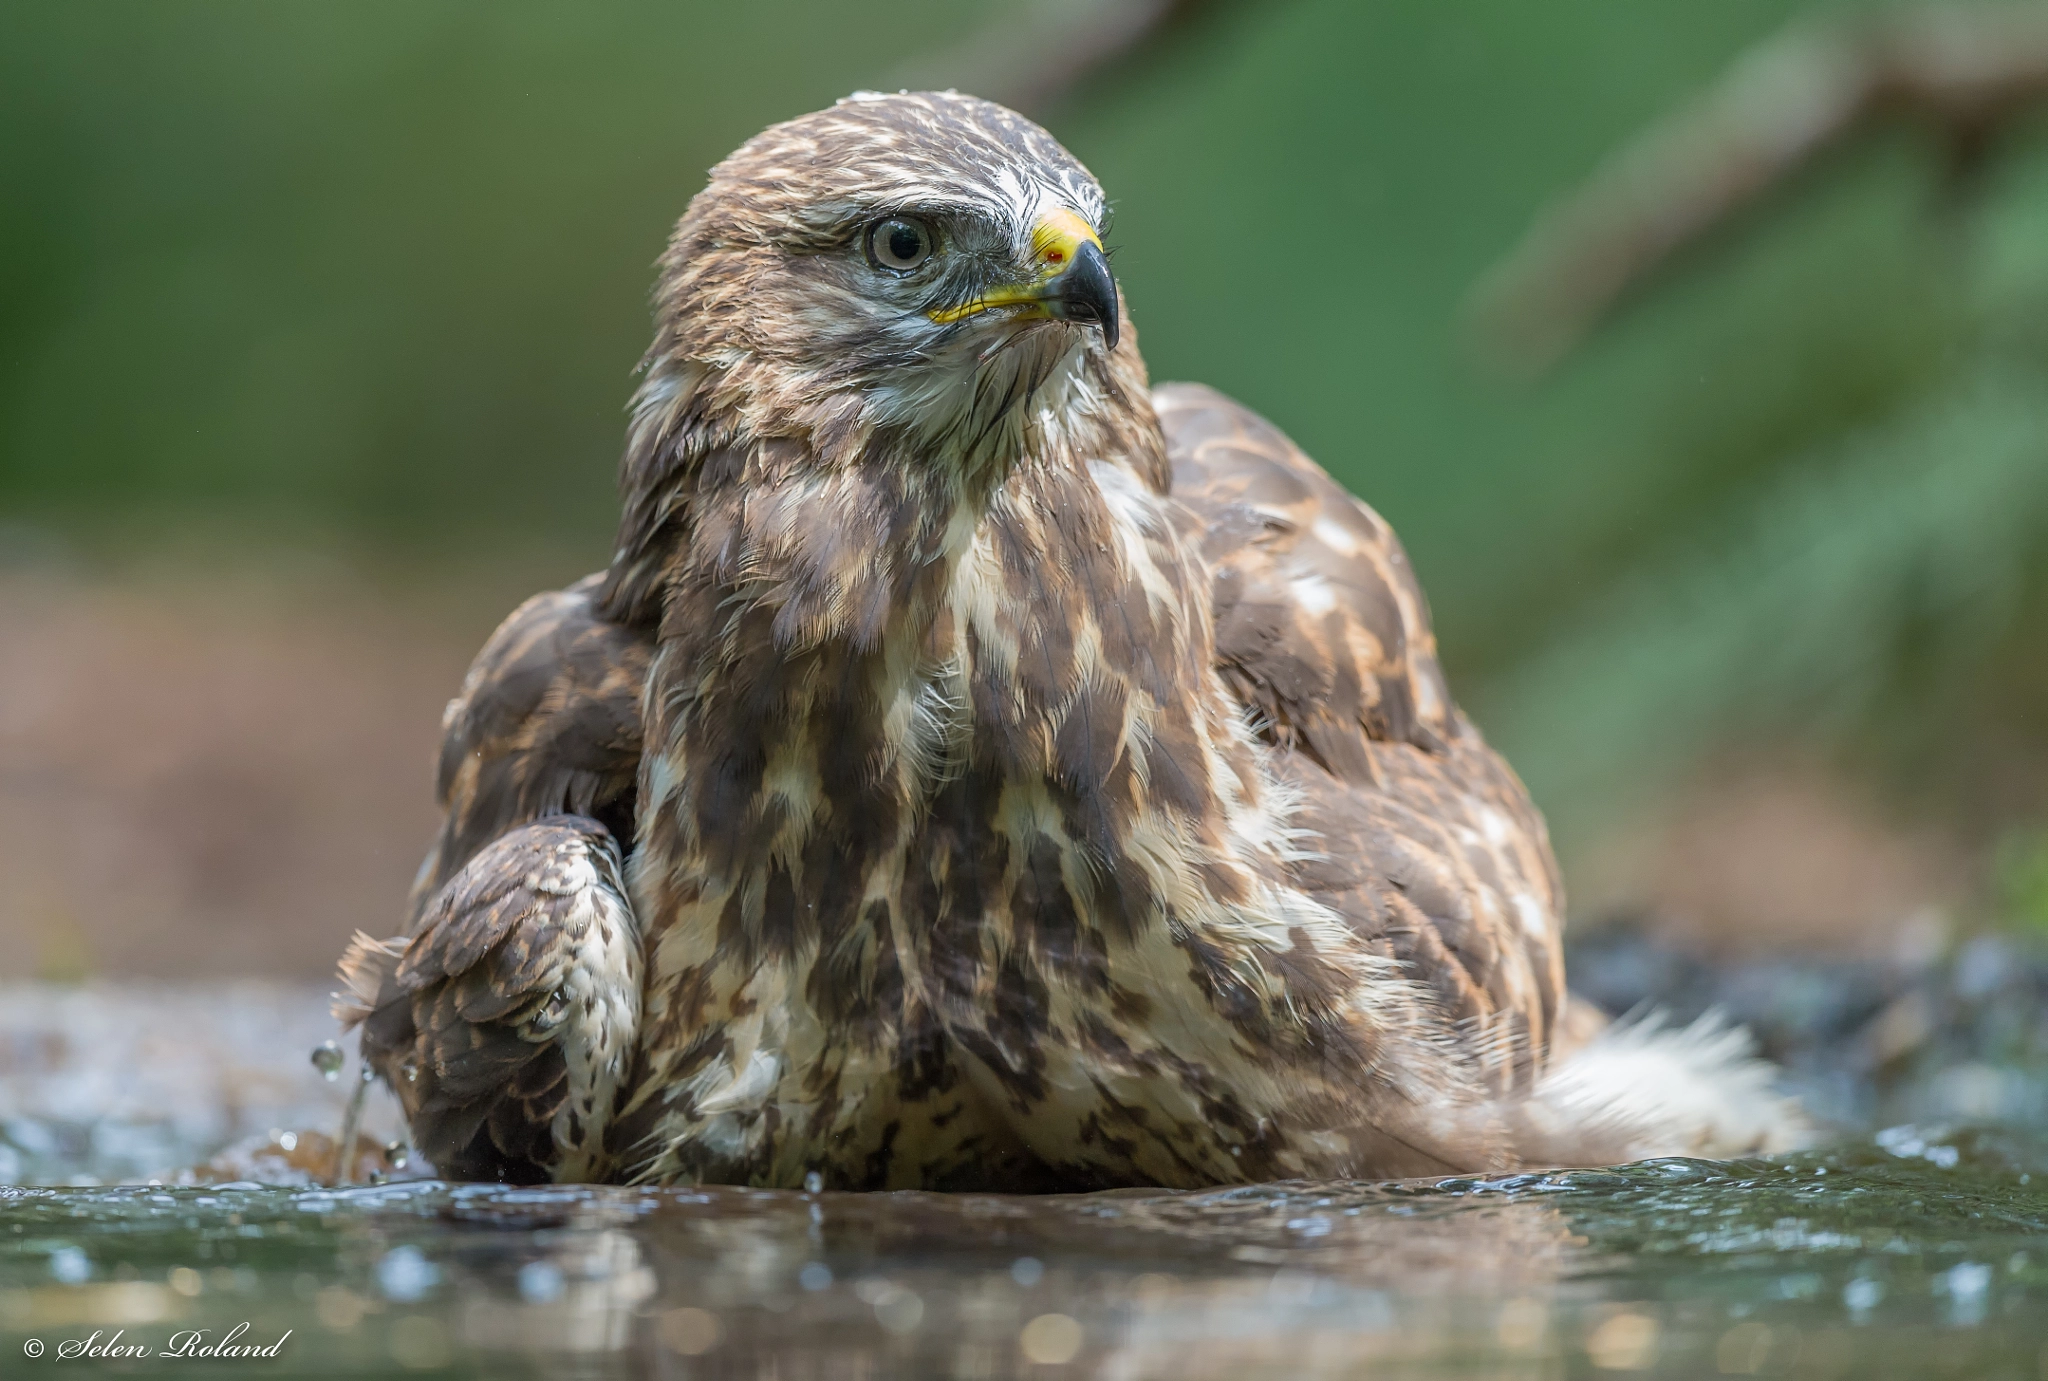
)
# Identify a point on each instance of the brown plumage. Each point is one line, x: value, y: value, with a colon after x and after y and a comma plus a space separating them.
x: 505, y: 1027
x: 1428, y: 842
x: 547, y: 722
x: 1035, y: 779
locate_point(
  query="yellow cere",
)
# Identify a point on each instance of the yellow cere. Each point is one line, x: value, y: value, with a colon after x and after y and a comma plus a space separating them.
x: 1055, y: 241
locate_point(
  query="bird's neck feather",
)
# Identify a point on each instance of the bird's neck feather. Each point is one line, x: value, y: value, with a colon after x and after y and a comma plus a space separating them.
x: 808, y: 591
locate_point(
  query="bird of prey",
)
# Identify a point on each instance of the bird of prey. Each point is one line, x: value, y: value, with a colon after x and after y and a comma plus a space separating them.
x: 979, y: 768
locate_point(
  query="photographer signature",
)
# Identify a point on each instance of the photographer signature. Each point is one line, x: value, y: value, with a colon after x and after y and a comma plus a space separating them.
x: 191, y: 1343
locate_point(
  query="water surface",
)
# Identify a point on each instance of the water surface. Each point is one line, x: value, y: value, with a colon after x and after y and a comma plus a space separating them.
x: 1922, y: 1250
x: 1925, y: 1255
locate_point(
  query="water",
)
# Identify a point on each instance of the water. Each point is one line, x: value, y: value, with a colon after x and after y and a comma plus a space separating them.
x: 1927, y: 1258
x: 328, y: 1059
x: 1920, y: 1251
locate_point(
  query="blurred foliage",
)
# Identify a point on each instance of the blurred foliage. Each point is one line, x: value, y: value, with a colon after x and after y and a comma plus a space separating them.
x: 1879, y: 584
x: 382, y: 263
x: 384, y: 267
x: 2022, y: 876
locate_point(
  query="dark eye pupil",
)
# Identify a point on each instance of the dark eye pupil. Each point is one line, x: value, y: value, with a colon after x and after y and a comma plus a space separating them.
x: 905, y: 241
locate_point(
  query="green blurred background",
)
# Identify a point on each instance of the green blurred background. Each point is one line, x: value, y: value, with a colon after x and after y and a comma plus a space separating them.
x: 369, y: 281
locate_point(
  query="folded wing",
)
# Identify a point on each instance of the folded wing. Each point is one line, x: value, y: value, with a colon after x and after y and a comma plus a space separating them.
x: 548, y: 721
x: 1424, y: 839
x: 505, y: 1023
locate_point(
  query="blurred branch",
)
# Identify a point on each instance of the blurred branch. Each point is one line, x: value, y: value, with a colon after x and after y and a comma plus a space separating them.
x: 1796, y: 609
x: 1967, y: 71
x: 1034, y: 54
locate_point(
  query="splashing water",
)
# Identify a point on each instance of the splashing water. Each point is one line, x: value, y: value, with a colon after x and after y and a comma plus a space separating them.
x: 1819, y: 1265
x: 328, y: 1059
x: 1921, y: 1249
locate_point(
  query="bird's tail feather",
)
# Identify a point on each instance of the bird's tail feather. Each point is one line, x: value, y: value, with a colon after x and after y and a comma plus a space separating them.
x: 366, y: 966
x: 1642, y: 1088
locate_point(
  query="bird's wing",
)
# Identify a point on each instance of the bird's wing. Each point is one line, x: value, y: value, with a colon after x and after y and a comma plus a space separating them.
x: 1427, y: 842
x: 548, y: 721
x: 1321, y: 628
x: 503, y: 1024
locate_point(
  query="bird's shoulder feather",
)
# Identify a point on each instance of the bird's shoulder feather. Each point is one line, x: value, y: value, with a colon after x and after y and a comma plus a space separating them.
x: 548, y: 720
x: 1321, y: 627
x: 1425, y: 841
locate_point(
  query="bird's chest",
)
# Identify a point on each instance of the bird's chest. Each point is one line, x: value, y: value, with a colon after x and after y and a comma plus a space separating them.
x: 884, y: 878
x: 1023, y: 707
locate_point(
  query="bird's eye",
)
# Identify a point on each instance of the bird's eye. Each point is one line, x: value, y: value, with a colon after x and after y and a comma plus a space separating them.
x: 899, y: 245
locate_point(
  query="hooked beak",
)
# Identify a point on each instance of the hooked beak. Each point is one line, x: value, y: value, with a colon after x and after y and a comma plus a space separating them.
x: 1072, y: 281
x: 1086, y: 292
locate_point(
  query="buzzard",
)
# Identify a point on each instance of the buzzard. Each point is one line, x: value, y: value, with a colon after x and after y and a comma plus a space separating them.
x: 979, y: 768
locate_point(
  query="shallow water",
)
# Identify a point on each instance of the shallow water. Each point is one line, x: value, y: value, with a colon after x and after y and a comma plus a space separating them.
x: 1917, y: 1252
x: 1929, y: 1256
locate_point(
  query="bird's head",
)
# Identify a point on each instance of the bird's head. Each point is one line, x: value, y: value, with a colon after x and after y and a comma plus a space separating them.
x: 926, y: 265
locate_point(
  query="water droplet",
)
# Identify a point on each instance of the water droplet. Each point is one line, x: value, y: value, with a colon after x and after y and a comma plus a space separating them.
x: 399, y: 1154
x: 691, y: 1332
x: 70, y: 1265
x: 412, y: 1072
x: 405, y: 1274
x: 815, y: 1275
x: 899, y: 1310
x: 327, y: 1059
x: 540, y: 1282
x: 1027, y: 1271
x: 814, y: 1183
x: 1966, y: 1285
x: 1050, y: 1339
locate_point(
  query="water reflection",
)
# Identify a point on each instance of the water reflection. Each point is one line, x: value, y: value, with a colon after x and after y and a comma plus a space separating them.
x: 1917, y: 1250
x: 1821, y: 1266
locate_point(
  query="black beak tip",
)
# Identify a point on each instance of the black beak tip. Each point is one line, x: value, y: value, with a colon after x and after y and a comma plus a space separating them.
x: 1088, y: 293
